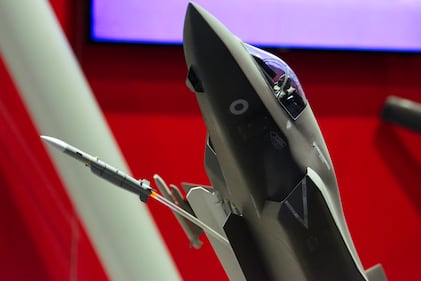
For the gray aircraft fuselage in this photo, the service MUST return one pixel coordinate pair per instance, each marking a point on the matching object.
(265, 154)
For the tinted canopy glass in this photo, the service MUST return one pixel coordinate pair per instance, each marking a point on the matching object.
(285, 85)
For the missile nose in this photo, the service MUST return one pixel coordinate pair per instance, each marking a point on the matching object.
(56, 143)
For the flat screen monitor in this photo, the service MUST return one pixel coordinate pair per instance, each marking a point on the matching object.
(380, 25)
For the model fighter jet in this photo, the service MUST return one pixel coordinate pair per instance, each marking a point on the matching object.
(274, 206)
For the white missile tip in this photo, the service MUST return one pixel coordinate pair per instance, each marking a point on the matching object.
(59, 144)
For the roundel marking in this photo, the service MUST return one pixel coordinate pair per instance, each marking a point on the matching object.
(239, 107)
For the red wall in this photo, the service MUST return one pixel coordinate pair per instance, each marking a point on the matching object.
(157, 124)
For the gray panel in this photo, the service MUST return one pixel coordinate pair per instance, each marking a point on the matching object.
(208, 209)
(376, 273)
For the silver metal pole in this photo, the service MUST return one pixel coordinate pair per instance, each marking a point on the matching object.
(61, 104)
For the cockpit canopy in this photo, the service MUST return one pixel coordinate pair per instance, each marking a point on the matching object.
(285, 85)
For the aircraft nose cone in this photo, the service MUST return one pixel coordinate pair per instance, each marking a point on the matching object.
(195, 30)
(192, 9)
(194, 19)
(203, 33)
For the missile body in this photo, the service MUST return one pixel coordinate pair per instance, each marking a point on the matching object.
(102, 169)
(139, 187)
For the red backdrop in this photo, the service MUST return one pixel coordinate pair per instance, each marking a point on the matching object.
(157, 124)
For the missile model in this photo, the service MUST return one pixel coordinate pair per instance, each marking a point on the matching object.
(141, 188)
(102, 169)
(273, 211)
